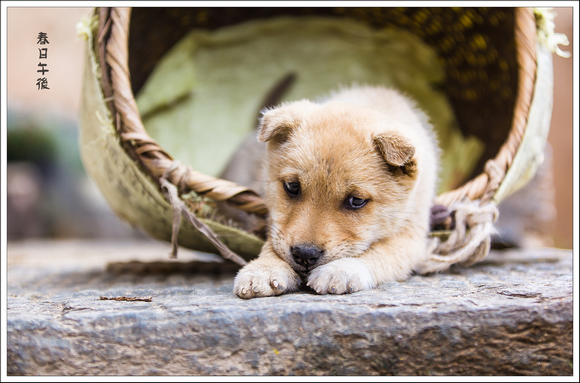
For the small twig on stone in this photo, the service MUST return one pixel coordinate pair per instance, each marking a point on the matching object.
(130, 299)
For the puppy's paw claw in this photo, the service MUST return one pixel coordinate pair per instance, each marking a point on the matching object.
(254, 281)
(345, 275)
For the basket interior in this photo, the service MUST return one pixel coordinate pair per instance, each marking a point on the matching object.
(476, 47)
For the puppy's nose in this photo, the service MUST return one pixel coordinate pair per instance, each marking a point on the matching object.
(306, 255)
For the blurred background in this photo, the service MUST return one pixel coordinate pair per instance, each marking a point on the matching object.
(48, 192)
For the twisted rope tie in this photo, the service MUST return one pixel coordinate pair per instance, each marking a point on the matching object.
(496, 176)
(468, 243)
(179, 210)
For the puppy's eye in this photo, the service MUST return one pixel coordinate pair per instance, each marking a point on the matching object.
(355, 202)
(292, 188)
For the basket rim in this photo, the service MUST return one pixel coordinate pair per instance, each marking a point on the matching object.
(113, 33)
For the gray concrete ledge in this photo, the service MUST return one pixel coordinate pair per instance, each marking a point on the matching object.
(509, 315)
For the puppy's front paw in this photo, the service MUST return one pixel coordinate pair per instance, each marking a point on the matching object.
(258, 280)
(345, 275)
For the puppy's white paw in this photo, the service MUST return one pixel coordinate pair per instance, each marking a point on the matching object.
(258, 280)
(345, 275)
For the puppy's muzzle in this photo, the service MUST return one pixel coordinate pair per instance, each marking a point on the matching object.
(306, 255)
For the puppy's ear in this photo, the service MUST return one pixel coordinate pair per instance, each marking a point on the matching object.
(396, 150)
(275, 122)
(280, 121)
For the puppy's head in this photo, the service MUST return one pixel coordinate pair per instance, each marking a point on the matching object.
(338, 180)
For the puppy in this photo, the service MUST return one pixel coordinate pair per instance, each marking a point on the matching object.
(349, 185)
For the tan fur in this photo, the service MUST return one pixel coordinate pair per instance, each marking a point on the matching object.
(364, 142)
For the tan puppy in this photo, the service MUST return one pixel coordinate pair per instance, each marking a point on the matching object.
(349, 184)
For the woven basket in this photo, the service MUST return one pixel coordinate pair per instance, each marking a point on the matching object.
(500, 91)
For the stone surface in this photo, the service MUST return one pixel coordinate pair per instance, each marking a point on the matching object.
(509, 315)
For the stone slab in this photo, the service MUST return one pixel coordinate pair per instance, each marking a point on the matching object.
(508, 315)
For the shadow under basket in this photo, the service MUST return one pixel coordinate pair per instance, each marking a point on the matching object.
(498, 80)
